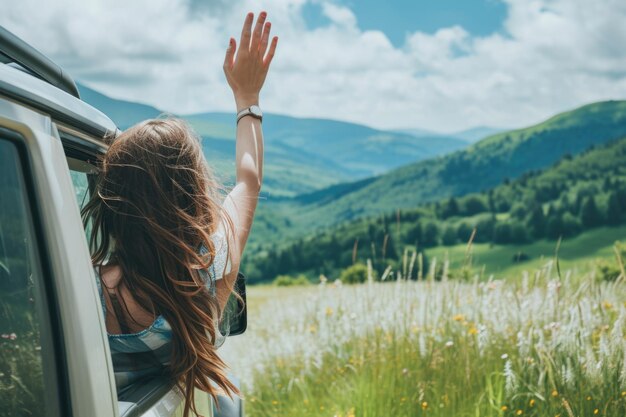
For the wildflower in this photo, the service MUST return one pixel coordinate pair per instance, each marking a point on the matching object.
(312, 329)
(504, 408)
(329, 311)
(504, 356)
(519, 412)
(274, 403)
(424, 405)
(405, 371)
(350, 412)
(589, 398)
(473, 330)
(607, 305)
(458, 317)
(596, 411)
(555, 393)
(623, 393)
(323, 279)
(531, 402)
(449, 343)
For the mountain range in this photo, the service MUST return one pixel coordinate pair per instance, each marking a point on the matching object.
(481, 166)
(302, 154)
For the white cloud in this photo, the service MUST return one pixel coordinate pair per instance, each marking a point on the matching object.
(551, 55)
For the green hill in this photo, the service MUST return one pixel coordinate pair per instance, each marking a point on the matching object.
(516, 223)
(481, 166)
(302, 155)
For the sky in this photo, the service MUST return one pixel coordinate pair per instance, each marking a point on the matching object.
(442, 65)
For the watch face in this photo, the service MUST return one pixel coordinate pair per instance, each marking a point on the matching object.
(256, 110)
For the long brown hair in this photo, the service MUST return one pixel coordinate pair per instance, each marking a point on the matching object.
(155, 202)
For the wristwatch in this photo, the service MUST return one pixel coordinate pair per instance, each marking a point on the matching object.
(254, 111)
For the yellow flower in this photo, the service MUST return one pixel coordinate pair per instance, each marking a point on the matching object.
(519, 412)
(350, 412)
(274, 403)
(472, 330)
(555, 393)
(504, 408)
(623, 393)
(596, 411)
(531, 403)
(458, 317)
(424, 405)
(607, 305)
(329, 311)
(312, 328)
(589, 398)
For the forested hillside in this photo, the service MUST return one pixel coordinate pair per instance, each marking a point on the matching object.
(483, 165)
(576, 194)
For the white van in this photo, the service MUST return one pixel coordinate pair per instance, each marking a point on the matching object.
(54, 353)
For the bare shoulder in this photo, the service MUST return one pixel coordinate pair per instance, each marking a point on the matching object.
(111, 275)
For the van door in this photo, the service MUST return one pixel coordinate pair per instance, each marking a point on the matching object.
(55, 362)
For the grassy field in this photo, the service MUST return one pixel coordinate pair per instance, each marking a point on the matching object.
(539, 345)
(578, 254)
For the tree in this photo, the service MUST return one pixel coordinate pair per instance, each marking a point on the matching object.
(464, 232)
(589, 213)
(449, 236)
(570, 225)
(502, 233)
(431, 234)
(519, 233)
(354, 274)
(614, 210)
(450, 208)
(536, 221)
(474, 205)
(484, 229)
(554, 226)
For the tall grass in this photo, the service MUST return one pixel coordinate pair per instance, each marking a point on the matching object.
(543, 345)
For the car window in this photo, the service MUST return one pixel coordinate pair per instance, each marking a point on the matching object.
(28, 382)
(81, 171)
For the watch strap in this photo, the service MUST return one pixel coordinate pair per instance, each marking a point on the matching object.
(248, 112)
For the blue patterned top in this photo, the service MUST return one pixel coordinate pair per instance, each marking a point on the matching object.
(146, 354)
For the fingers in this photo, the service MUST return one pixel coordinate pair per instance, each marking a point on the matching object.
(230, 54)
(246, 32)
(271, 52)
(258, 28)
(264, 39)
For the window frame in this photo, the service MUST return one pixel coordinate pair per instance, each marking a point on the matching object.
(52, 320)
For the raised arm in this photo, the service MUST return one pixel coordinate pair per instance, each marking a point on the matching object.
(246, 70)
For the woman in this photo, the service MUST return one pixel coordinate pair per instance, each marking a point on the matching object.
(166, 249)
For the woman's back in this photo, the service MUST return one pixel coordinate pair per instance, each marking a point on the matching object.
(140, 340)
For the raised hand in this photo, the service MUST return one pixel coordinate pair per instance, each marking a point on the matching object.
(246, 68)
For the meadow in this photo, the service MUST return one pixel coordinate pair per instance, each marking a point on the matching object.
(543, 344)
